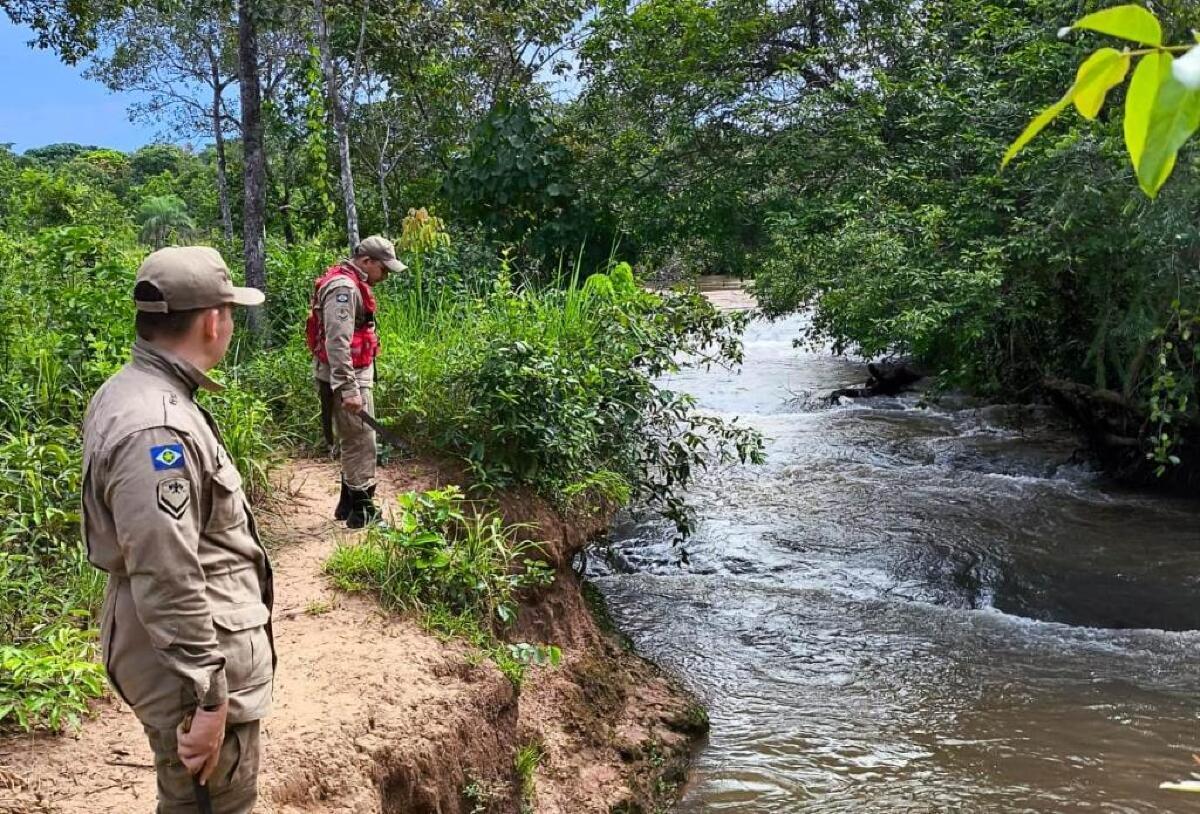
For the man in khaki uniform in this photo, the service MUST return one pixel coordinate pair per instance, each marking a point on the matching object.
(186, 624)
(341, 335)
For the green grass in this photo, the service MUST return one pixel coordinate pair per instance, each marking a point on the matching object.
(456, 566)
(525, 764)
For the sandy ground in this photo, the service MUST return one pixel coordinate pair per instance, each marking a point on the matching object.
(373, 714)
(727, 293)
(732, 299)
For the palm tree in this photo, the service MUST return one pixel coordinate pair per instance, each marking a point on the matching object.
(161, 216)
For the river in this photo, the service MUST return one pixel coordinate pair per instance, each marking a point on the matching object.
(912, 609)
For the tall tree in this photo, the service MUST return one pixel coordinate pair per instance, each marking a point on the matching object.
(254, 174)
(183, 57)
(67, 27)
(341, 102)
(383, 140)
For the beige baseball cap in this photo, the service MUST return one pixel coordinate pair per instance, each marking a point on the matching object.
(189, 277)
(380, 248)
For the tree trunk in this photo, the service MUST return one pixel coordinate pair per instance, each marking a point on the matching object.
(254, 171)
(338, 115)
(383, 198)
(222, 165)
(382, 171)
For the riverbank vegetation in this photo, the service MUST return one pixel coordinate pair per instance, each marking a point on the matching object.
(455, 565)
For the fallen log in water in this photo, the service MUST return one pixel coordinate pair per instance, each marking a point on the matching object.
(1118, 431)
(884, 379)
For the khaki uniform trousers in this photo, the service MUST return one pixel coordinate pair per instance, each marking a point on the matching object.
(233, 787)
(357, 441)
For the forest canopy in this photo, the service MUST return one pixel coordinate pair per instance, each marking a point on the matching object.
(843, 155)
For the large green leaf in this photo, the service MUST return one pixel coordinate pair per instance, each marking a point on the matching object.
(1129, 22)
(1091, 75)
(1034, 127)
(1173, 119)
(1099, 73)
(1139, 101)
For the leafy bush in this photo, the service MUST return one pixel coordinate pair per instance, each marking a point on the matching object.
(456, 565)
(438, 553)
(44, 577)
(47, 684)
(556, 388)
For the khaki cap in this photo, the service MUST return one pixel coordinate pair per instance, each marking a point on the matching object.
(380, 248)
(191, 277)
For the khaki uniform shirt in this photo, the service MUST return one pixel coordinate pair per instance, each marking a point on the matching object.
(341, 310)
(187, 613)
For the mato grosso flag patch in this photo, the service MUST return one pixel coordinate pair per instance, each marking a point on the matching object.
(168, 456)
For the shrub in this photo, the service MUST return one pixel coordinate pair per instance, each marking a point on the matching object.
(47, 684)
(557, 388)
(439, 553)
(457, 566)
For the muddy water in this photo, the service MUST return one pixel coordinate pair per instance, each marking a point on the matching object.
(918, 610)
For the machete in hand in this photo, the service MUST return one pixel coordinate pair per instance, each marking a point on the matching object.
(203, 799)
(387, 434)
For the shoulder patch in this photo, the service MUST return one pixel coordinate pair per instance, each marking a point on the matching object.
(167, 456)
(174, 495)
(343, 296)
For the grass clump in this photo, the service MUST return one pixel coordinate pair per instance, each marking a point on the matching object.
(438, 554)
(460, 570)
(525, 764)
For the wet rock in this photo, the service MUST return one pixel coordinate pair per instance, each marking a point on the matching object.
(883, 379)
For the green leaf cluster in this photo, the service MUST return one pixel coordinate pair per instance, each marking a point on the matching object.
(47, 684)
(1161, 113)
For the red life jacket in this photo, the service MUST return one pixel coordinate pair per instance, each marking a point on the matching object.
(364, 344)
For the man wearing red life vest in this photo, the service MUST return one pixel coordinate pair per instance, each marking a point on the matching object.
(342, 338)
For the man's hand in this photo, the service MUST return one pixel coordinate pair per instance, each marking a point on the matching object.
(352, 404)
(200, 743)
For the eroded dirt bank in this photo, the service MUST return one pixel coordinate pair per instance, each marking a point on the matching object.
(373, 714)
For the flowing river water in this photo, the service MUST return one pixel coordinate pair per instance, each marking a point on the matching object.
(912, 609)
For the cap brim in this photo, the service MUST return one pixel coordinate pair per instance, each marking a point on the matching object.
(395, 266)
(248, 296)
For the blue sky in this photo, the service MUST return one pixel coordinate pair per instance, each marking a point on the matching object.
(43, 101)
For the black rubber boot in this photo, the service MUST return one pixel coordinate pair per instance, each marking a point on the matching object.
(343, 508)
(362, 508)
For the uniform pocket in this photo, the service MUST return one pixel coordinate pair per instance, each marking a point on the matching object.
(228, 502)
(245, 770)
(242, 636)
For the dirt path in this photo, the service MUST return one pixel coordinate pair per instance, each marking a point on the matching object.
(373, 714)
